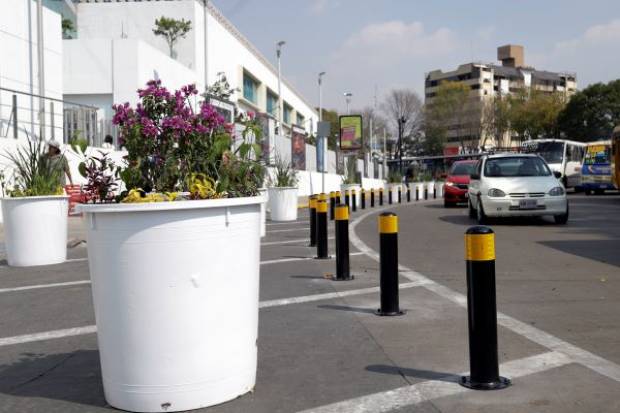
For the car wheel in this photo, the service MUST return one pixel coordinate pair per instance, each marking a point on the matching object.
(561, 219)
(480, 215)
(588, 192)
(598, 192)
(472, 211)
(447, 204)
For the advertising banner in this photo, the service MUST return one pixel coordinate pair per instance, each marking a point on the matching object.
(268, 139)
(320, 154)
(298, 148)
(350, 132)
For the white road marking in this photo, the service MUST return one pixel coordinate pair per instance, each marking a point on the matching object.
(298, 259)
(36, 287)
(287, 230)
(78, 331)
(578, 355)
(433, 389)
(287, 223)
(65, 261)
(290, 241)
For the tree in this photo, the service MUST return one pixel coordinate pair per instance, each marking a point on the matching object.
(404, 103)
(534, 114)
(67, 28)
(172, 30)
(495, 120)
(591, 113)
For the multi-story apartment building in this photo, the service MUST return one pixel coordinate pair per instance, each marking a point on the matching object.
(488, 81)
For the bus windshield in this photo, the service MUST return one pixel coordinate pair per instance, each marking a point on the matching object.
(552, 152)
(597, 155)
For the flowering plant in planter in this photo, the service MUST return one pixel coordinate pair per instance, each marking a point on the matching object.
(173, 145)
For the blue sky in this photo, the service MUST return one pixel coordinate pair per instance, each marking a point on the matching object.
(363, 44)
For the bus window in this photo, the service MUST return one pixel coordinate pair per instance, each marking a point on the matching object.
(552, 152)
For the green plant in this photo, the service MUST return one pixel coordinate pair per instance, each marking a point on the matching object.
(350, 172)
(171, 30)
(35, 174)
(100, 173)
(395, 177)
(285, 176)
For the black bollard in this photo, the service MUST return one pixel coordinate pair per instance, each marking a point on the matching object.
(321, 230)
(388, 253)
(338, 198)
(425, 192)
(417, 193)
(342, 244)
(380, 196)
(482, 311)
(390, 195)
(435, 191)
(353, 200)
(400, 195)
(363, 198)
(312, 209)
(347, 197)
(332, 205)
(408, 193)
(372, 198)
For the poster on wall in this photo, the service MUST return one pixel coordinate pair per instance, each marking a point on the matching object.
(298, 148)
(268, 139)
(350, 132)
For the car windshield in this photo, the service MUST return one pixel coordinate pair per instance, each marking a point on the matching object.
(463, 169)
(515, 166)
(552, 152)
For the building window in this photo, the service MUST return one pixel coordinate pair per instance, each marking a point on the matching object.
(272, 104)
(300, 121)
(286, 115)
(250, 87)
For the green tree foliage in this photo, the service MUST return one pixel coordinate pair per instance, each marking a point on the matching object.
(331, 116)
(534, 114)
(446, 111)
(592, 113)
(67, 28)
(172, 30)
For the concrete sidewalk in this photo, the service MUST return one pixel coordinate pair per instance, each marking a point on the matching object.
(321, 348)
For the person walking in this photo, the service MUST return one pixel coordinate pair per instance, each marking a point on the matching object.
(58, 160)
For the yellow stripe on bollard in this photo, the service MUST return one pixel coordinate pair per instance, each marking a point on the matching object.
(480, 247)
(321, 206)
(388, 224)
(342, 213)
(312, 202)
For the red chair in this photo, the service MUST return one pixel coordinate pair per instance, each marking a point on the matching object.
(76, 196)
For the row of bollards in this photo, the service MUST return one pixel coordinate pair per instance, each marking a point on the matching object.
(480, 269)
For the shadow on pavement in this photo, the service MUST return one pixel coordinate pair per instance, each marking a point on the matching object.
(308, 277)
(73, 377)
(417, 373)
(605, 251)
(509, 221)
(346, 308)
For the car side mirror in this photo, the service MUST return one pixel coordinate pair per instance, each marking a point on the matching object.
(557, 174)
(475, 176)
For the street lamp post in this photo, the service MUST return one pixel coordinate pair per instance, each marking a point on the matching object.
(278, 54)
(401, 131)
(347, 98)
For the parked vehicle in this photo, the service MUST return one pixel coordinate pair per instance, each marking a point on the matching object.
(563, 156)
(615, 158)
(596, 172)
(516, 185)
(457, 182)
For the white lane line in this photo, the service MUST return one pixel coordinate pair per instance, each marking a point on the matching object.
(290, 241)
(78, 331)
(578, 355)
(287, 223)
(47, 335)
(65, 261)
(36, 287)
(70, 283)
(287, 230)
(433, 389)
(298, 259)
(329, 296)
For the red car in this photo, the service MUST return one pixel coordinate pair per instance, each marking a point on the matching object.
(457, 183)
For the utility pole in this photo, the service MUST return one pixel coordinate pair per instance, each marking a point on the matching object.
(278, 54)
(322, 138)
(41, 69)
(347, 98)
(384, 153)
(401, 127)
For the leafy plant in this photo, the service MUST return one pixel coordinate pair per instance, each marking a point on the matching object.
(285, 176)
(100, 173)
(395, 177)
(172, 30)
(350, 172)
(168, 143)
(35, 174)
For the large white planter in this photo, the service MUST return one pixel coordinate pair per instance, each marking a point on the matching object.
(350, 188)
(439, 187)
(283, 203)
(431, 187)
(263, 213)
(420, 186)
(393, 188)
(35, 229)
(175, 290)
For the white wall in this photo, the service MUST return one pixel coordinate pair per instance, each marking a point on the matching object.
(19, 63)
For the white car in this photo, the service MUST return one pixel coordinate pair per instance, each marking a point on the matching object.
(508, 185)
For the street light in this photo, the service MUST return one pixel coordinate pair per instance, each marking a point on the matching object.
(347, 98)
(320, 96)
(322, 138)
(278, 54)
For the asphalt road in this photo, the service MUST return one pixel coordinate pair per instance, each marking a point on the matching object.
(321, 348)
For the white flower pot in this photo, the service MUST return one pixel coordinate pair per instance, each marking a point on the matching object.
(431, 187)
(439, 186)
(35, 229)
(283, 203)
(358, 194)
(420, 186)
(175, 291)
(263, 213)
